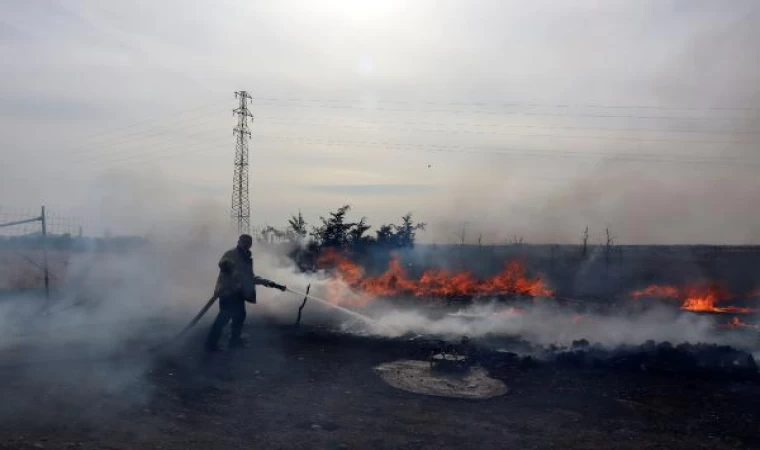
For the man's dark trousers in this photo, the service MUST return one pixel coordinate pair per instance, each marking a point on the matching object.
(230, 308)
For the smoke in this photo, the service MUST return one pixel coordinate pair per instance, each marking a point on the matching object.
(110, 308)
(663, 204)
(546, 325)
(90, 348)
(91, 343)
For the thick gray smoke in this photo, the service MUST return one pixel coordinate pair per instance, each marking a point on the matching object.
(111, 308)
(546, 324)
(543, 322)
(89, 349)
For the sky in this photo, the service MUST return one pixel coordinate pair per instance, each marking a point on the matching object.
(505, 118)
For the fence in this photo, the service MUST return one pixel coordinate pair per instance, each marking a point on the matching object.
(42, 220)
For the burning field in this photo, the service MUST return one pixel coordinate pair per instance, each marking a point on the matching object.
(511, 300)
(431, 284)
(533, 364)
(711, 298)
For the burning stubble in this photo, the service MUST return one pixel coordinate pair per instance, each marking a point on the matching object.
(111, 307)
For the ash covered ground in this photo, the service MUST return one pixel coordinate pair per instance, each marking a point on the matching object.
(96, 372)
(315, 387)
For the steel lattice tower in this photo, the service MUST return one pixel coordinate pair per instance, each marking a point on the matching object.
(241, 206)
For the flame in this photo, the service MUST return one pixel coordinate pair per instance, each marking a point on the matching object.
(656, 291)
(348, 271)
(433, 283)
(737, 323)
(702, 298)
(511, 311)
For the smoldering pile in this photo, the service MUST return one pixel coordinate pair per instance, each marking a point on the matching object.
(687, 359)
(657, 340)
(499, 353)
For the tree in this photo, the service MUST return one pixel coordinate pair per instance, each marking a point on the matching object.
(356, 233)
(296, 230)
(269, 234)
(337, 232)
(357, 239)
(399, 236)
(584, 240)
(334, 231)
(386, 237)
(608, 245)
(407, 231)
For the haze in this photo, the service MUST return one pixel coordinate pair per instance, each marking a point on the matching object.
(518, 118)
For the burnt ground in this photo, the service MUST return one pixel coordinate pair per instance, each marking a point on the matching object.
(314, 389)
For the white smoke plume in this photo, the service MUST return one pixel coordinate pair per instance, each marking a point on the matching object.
(545, 325)
(110, 309)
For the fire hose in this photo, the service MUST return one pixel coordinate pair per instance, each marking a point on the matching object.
(322, 301)
(198, 316)
(209, 303)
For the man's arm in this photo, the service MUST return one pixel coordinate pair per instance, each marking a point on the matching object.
(267, 283)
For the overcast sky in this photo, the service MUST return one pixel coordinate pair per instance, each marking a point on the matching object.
(529, 118)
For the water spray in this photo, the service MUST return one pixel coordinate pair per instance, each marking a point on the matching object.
(352, 313)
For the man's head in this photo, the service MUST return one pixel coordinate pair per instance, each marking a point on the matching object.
(245, 241)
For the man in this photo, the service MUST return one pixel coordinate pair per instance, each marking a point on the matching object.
(235, 286)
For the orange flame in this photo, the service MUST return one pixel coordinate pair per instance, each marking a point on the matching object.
(433, 283)
(657, 291)
(511, 311)
(348, 271)
(738, 324)
(694, 298)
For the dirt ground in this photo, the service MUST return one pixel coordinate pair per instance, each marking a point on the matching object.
(309, 389)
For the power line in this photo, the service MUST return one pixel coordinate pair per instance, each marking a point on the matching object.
(451, 128)
(170, 153)
(135, 141)
(153, 155)
(134, 124)
(477, 108)
(158, 152)
(517, 152)
(164, 151)
(136, 136)
(371, 123)
(129, 149)
(534, 135)
(515, 104)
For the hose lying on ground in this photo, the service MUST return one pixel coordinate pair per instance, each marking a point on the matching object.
(198, 316)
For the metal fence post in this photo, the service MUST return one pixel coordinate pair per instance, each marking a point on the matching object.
(45, 256)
